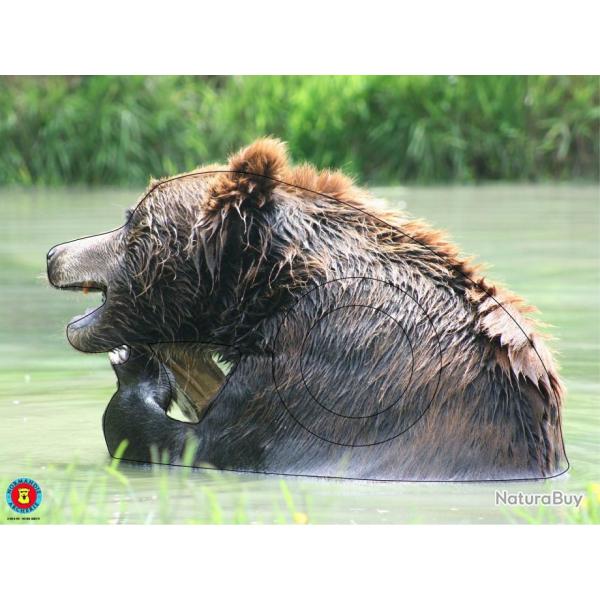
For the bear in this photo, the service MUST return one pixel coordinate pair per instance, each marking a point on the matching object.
(305, 330)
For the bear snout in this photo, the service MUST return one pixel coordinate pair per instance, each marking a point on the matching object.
(81, 263)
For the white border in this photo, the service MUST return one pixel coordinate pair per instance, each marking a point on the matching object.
(299, 37)
(171, 562)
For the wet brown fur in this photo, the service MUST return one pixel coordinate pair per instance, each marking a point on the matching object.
(246, 240)
(502, 314)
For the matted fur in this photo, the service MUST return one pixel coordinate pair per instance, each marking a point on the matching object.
(225, 254)
(253, 174)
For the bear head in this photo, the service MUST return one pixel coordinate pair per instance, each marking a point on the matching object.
(203, 254)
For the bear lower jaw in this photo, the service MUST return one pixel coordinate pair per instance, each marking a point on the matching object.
(86, 333)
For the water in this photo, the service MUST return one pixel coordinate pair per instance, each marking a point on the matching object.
(541, 241)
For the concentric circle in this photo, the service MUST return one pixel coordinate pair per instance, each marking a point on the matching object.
(344, 361)
(312, 339)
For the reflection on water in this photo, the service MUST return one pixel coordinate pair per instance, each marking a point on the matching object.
(541, 241)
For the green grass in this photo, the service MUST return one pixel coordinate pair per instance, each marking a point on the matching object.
(110, 496)
(587, 514)
(120, 130)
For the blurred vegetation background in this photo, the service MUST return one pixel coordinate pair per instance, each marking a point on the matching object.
(383, 129)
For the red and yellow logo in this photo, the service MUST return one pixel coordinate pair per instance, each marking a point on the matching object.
(24, 495)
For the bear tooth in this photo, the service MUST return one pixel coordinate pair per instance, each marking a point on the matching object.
(123, 353)
(114, 357)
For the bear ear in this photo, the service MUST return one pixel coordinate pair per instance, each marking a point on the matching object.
(253, 173)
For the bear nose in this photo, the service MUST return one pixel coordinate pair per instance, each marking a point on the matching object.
(55, 253)
(51, 261)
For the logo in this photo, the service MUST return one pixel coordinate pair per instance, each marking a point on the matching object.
(554, 498)
(24, 495)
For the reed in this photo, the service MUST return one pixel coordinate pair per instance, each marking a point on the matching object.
(121, 130)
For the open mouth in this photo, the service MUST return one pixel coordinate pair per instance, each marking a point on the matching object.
(81, 329)
(195, 376)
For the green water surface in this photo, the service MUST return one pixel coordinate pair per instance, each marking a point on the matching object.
(540, 241)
